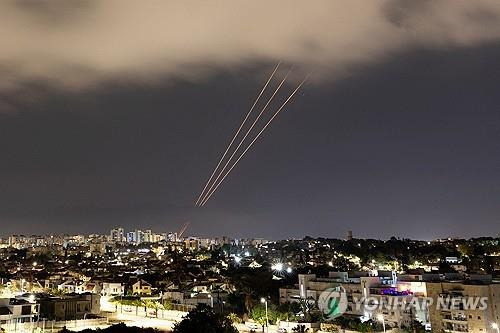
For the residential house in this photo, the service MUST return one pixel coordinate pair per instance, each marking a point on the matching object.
(141, 287)
(112, 289)
(69, 307)
(14, 311)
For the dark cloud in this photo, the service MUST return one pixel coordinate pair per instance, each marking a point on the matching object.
(79, 44)
(408, 147)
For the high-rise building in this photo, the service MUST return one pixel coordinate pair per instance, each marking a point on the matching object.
(158, 237)
(131, 237)
(147, 236)
(172, 237)
(117, 235)
(137, 236)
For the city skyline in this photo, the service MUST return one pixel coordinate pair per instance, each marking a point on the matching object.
(139, 235)
(395, 135)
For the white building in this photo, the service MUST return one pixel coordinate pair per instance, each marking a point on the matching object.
(15, 311)
(112, 289)
(365, 291)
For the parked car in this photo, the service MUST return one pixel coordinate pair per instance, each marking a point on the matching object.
(252, 326)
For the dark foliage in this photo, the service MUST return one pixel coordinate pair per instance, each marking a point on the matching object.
(118, 328)
(204, 320)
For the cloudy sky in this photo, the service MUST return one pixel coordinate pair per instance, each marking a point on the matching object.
(115, 113)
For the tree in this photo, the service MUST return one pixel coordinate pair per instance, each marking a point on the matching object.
(236, 302)
(56, 292)
(251, 282)
(234, 318)
(355, 324)
(248, 293)
(155, 305)
(466, 250)
(258, 314)
(204, 320)
(141, 303)
(288, 311)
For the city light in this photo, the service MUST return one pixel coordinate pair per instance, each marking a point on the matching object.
(281, 259)
(277, 267)
(264, 301)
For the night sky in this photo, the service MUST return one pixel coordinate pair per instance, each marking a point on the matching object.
(404, 144)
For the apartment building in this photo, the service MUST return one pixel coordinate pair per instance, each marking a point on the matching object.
(369, 295)
(15, 311)
(117, 235)
(451, 303)
(464, 306)
(310, 286)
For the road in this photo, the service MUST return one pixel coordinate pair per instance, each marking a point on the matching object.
(132, 316)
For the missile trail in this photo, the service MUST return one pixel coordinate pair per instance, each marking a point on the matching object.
(238, 132)
(253, 141)
(246, 135)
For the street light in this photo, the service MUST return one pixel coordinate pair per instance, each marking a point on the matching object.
(264, 301)
(495, 327)
(381, 318)
(278, 267)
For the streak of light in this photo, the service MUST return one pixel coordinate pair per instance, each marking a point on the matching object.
(238, 132)
(253, 141)
(221, 172)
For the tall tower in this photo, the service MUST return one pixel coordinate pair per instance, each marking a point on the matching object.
(117, 235)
